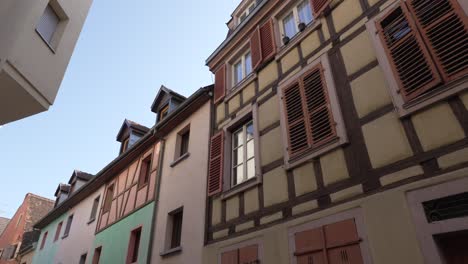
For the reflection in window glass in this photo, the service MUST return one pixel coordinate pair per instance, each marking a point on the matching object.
(243, 154)
(248, 64)
(305, 12)
(289, 26)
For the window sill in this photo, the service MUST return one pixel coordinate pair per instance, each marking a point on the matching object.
(65, 236)
(301, 35)
(180, 159)
(91, 221)
(240, 86)
(257, 180)
(45, 41)
(170, 252)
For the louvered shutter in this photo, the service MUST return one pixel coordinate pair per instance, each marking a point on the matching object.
(230, 257)
(215, 173)
(295, 119)
(267, 41)
(322, 127)
(220, 84)
(408, 56)
(255, 48)
(318, 6)
(248, 255)
(444, 26)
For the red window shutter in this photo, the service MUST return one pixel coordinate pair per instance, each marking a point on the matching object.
(321, 124)
(295, 119)
(318, 6)
(230, 257)
(349, 254)
(267, 40)
(248, 254)
(215, 173)
(341, 233)
(255, 48)
(220, 84)
(409, 58)
(309, 241)
(444, 26)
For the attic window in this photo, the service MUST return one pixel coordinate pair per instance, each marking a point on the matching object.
(246, 12)
(124, 145)
(164, 112)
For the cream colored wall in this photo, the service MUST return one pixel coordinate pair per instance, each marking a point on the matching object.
(184, 185)
(81, 237)
(389, 230)
(27, 58)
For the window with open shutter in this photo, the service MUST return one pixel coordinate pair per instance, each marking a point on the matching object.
(318, 6)
(255, 48)
(444, 26)
(220, 84)
(230, 257)
(267, 40)
(243, 255)
(336, 243)
(309, 117)
(215, 173)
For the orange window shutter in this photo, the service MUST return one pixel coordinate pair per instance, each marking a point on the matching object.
(248, 254)
(298, 139)
(215, 173)
(309, 241)
(408, 56)
(341, 233)
(320, 117)
(444, 27)
(267, 41)
(255, 48)
(220, 84)
(318, 6)
(230, 257)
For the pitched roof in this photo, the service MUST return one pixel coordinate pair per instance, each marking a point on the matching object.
(129, 124)
(63, 188)
(163, 91)
(80, 175)
(3, 223)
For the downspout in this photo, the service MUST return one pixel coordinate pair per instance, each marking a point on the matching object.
(156, 200)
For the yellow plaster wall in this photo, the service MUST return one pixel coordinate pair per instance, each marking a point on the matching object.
(310, 43)
(268, 112)
(290, 60)
(251, 200)
(220, 113)
(232, 208)
(305, 179)
(275, 187)
(270, 146)
(345, 13)
(358, 52)
(267, 75)
(234, 104)
(334, 168)
(386, 140)
(248, 92)
(437, 126)
(216, 214)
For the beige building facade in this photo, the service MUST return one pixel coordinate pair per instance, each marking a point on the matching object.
(340, 134)
(37, 42)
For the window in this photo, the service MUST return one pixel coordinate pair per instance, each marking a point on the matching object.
(68, 226)
(125, 145)
(291, 22)
(247, 12)
(246, 254)
(83, 258)
(108, 199)
(133, 246)
(94, 209)
(242, 68)
(44, 238)
(48, 24)
(163, 112)
(184, 143)
(176, 228)
(97, 255)
(57, 232)
(145, 171)
(424, 48)
(243, 154)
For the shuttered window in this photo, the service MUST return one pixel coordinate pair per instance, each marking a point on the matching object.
(318, 6)
(244, 255)
(220, 84)
(425, 42)
(330, 244)
(215, 173)
(308, 112)
(262, 44)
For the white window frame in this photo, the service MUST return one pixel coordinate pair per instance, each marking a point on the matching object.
(245, 159)
(246, 12)
(295, 11)
(242, 60)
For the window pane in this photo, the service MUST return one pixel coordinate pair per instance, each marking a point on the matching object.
(248, 64)
(237, 72)
(251, 168)
(289, 26)
(250, 149)
(251, 8)
(239, 158)
(250, 131)
(305, 12)
(239, 174)
(238, 138)
(48, 24)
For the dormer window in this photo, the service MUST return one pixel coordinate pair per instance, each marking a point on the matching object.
(241, 68)
(124, 146)
(164, 112)
(129, 134)
(166, 102)
(246, 12)
(292, 20)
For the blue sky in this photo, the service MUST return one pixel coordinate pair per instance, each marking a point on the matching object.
(126, 50)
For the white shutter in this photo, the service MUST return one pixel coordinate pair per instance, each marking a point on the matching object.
(48, 24)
